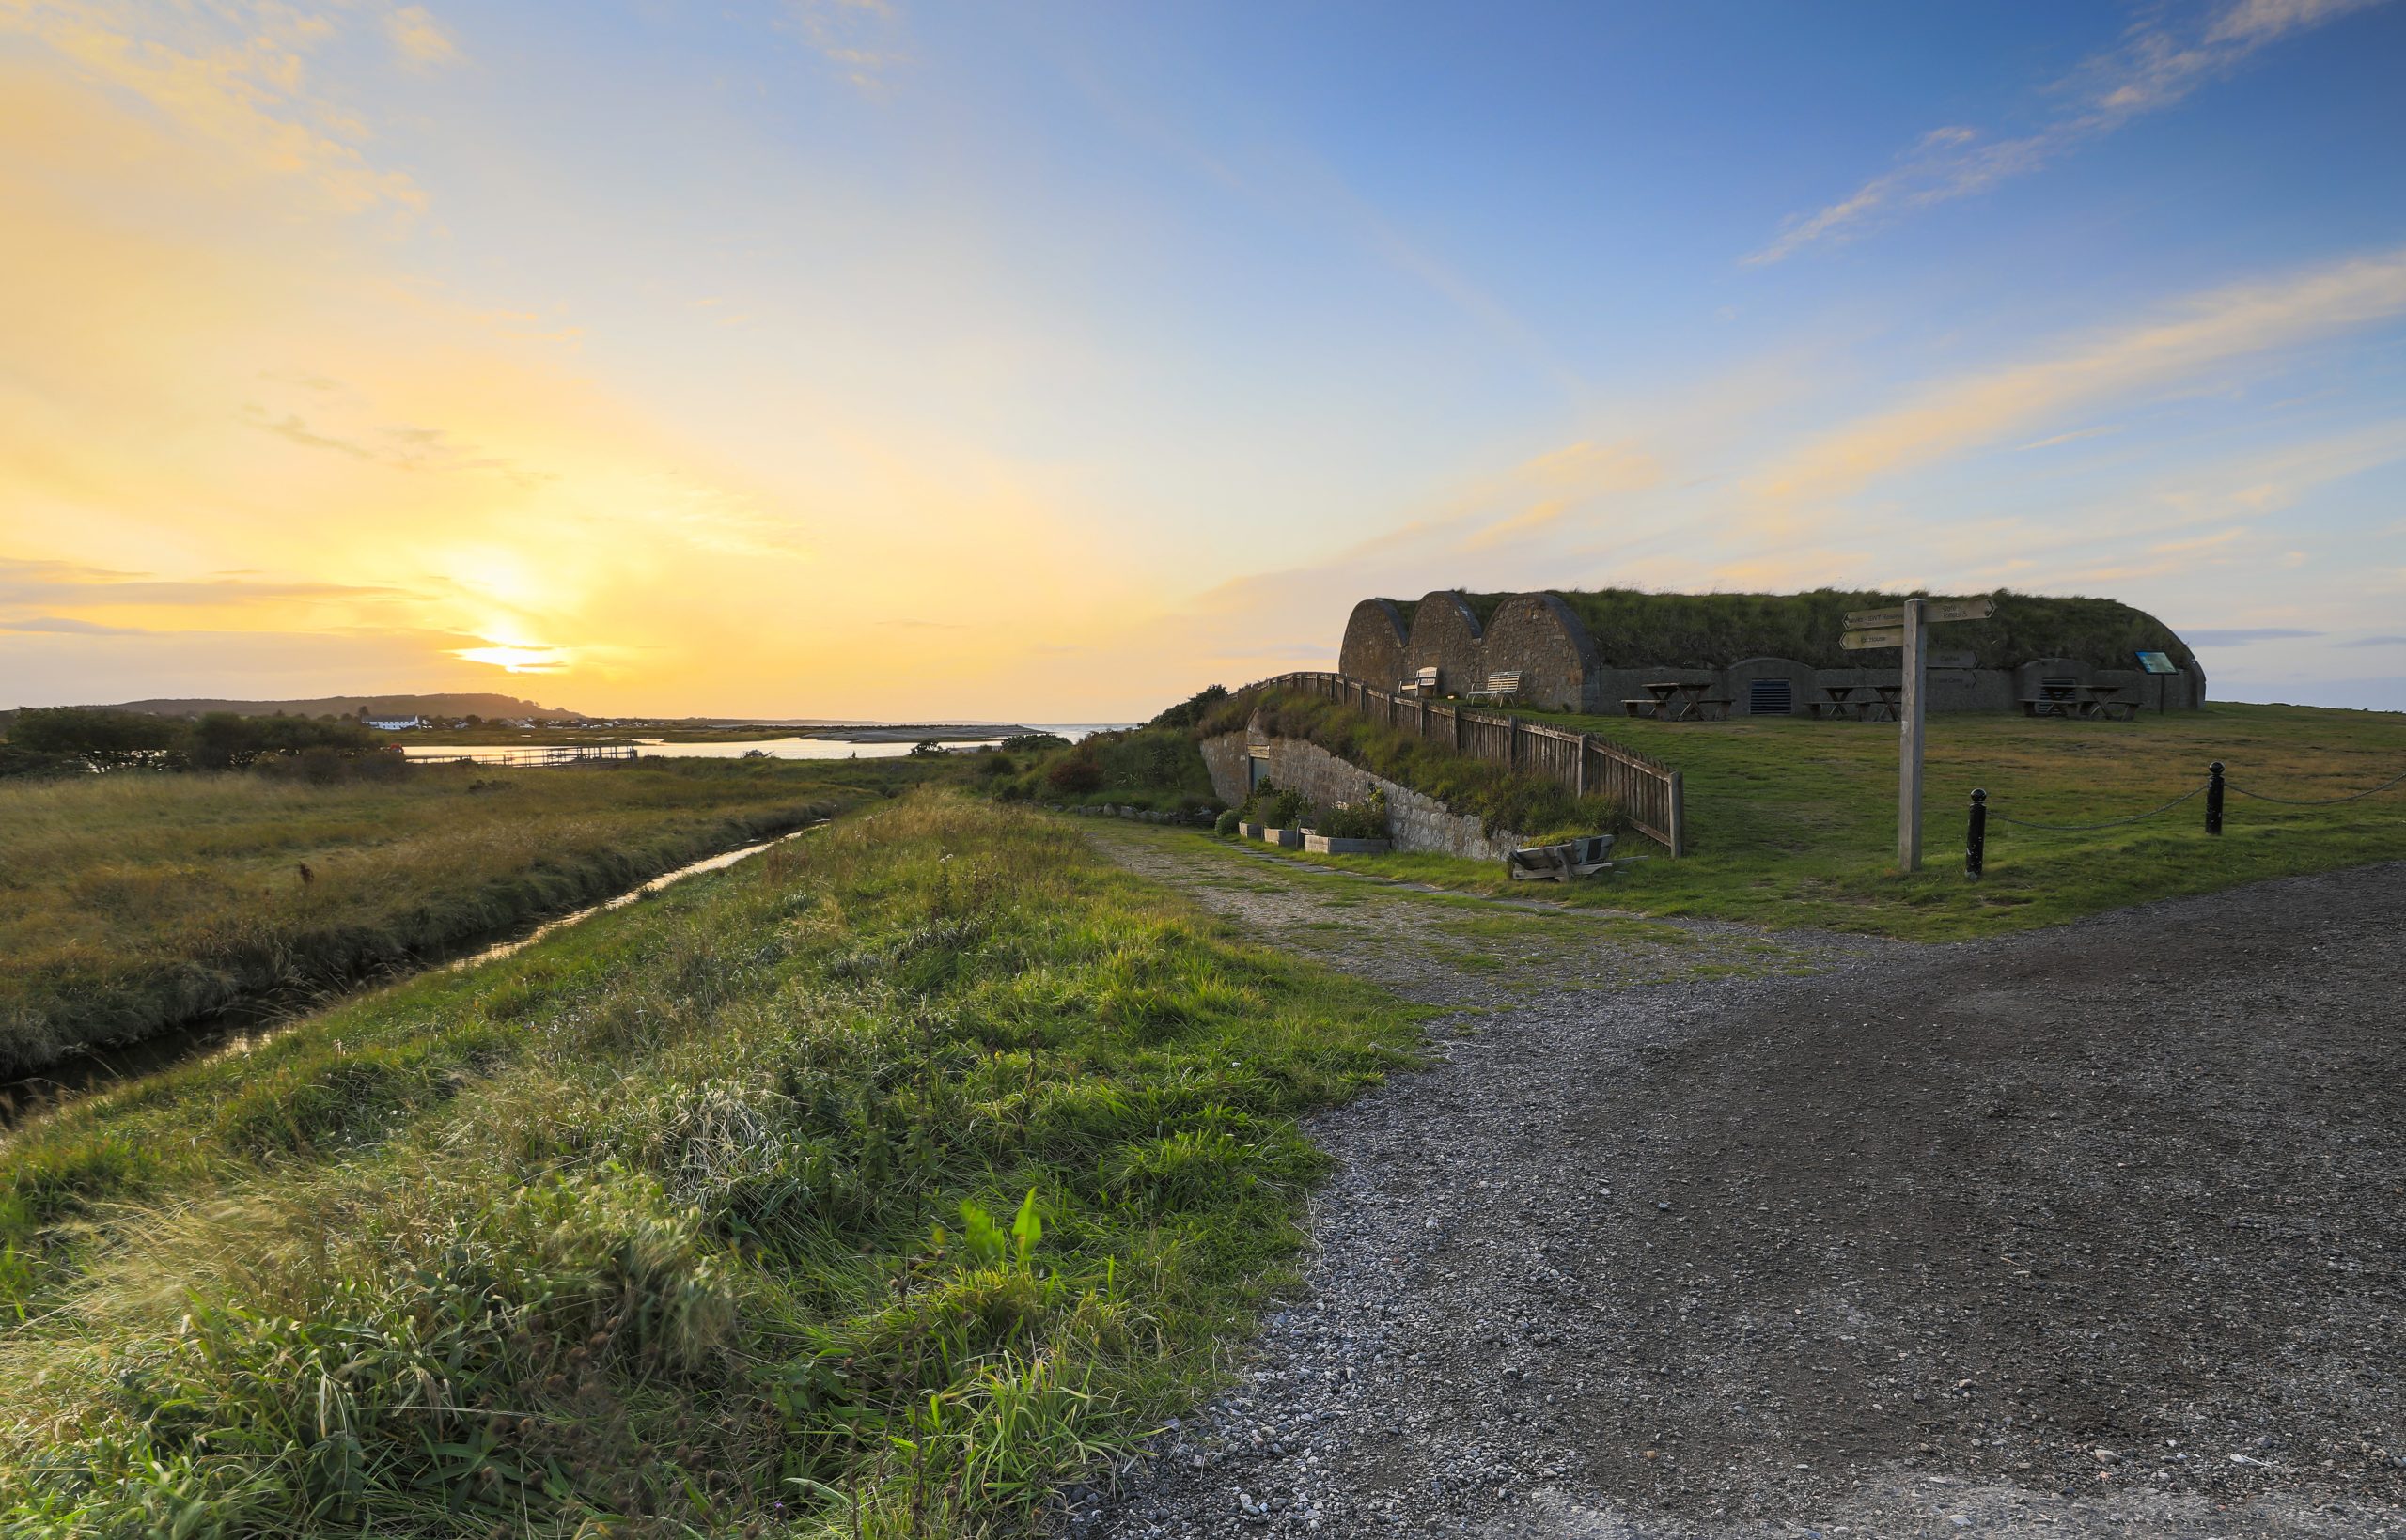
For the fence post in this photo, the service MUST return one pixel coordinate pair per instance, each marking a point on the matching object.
(1512, 742)
(1457, 729)
(1679, 820)
(1579, 775)
(1975, 843)
(2213, 798)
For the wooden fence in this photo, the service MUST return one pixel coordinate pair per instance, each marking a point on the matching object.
(1649, 793)
(550, 753)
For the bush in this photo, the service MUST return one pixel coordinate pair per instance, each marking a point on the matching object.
(1500, 799)
(1034, 742)
(325, 767)
(1226, 823)
(1286, 809)
(1189, 711)
(995, 764)
(1364, 820)
(1078, 774)
(102, 740)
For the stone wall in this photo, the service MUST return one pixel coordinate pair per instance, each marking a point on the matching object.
(1537, 634)
(1374, 644)
(1448, 637)
(1414, 821)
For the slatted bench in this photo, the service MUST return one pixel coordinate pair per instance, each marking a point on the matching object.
(1500, 687)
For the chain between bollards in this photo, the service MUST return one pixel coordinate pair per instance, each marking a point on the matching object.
(1976, 842)
(2213, 798)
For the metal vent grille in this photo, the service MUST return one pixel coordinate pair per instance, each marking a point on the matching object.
(1771, 697)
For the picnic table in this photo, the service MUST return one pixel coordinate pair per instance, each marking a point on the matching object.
(1677, 700)
(1861, 702)
(2088, 702)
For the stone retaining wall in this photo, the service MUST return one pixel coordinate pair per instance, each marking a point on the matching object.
(1414, 821)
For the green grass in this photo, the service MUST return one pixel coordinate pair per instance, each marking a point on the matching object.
(1793, 823)
(133, 901)
(1633, 628)
(695, 1219)
(1499, 797)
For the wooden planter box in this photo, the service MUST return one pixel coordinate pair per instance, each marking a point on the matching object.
(1334, 844)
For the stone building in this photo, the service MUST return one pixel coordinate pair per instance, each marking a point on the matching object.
(1765, 654)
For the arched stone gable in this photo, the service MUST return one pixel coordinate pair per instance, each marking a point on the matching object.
(1537, 634)
(1373, 650)
(1445, 635)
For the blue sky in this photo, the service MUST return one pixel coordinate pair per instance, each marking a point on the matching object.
(1060, 359)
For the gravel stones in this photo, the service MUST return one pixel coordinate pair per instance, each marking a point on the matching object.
(2090, 1232)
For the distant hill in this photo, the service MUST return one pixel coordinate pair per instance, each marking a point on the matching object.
(378, 705)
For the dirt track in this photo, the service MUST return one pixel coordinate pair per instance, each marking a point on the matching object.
(2091, 1232)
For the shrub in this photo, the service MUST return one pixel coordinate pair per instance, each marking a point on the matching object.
(1364, 820)
(1187, 712)
(1226, 823)
(1286, 809)
(1077, 773)
(995, 764)
(1500, 799)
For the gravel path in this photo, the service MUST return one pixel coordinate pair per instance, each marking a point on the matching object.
(2091, 1232)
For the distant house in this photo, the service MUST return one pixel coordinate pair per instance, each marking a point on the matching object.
(396, 724)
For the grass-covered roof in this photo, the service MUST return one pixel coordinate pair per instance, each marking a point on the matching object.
(1633, 628)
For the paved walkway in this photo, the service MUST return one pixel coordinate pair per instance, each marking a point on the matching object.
(1701, 1233)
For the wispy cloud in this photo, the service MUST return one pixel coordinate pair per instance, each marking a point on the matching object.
(2073, 437)
(2157, 66)
(2374, 642)
(419, 38)
(2185, 341)
(857, 36)
(72, 585)
(2244, 635)
(235, 77)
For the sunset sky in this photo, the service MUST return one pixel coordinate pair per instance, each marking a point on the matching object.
(1046, 361)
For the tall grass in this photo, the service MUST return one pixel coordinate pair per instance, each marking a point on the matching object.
(694, 1219)
(132, 901)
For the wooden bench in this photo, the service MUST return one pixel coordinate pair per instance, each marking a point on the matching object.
(1581, 857)
(1421, 686)
(1500, 687)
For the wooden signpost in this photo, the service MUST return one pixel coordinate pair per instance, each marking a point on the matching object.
(1907, 626)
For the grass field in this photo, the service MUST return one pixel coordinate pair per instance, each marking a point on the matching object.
(132, 901)
(1793, 823)
(871, 1187)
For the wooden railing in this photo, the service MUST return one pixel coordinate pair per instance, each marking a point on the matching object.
(550, 753)
(1650, 793)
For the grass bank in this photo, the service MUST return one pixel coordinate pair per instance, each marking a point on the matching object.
(873, 1188)
(133, 901)
(1793, 823)
(1499, 797)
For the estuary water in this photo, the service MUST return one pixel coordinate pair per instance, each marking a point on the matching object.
(244, 1026)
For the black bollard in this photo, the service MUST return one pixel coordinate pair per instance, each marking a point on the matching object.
(1976, 842)
(2213, 798)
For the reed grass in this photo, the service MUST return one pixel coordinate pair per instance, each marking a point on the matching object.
(133, 901)
(695, 1219)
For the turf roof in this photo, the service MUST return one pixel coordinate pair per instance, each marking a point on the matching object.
(1633, 628)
